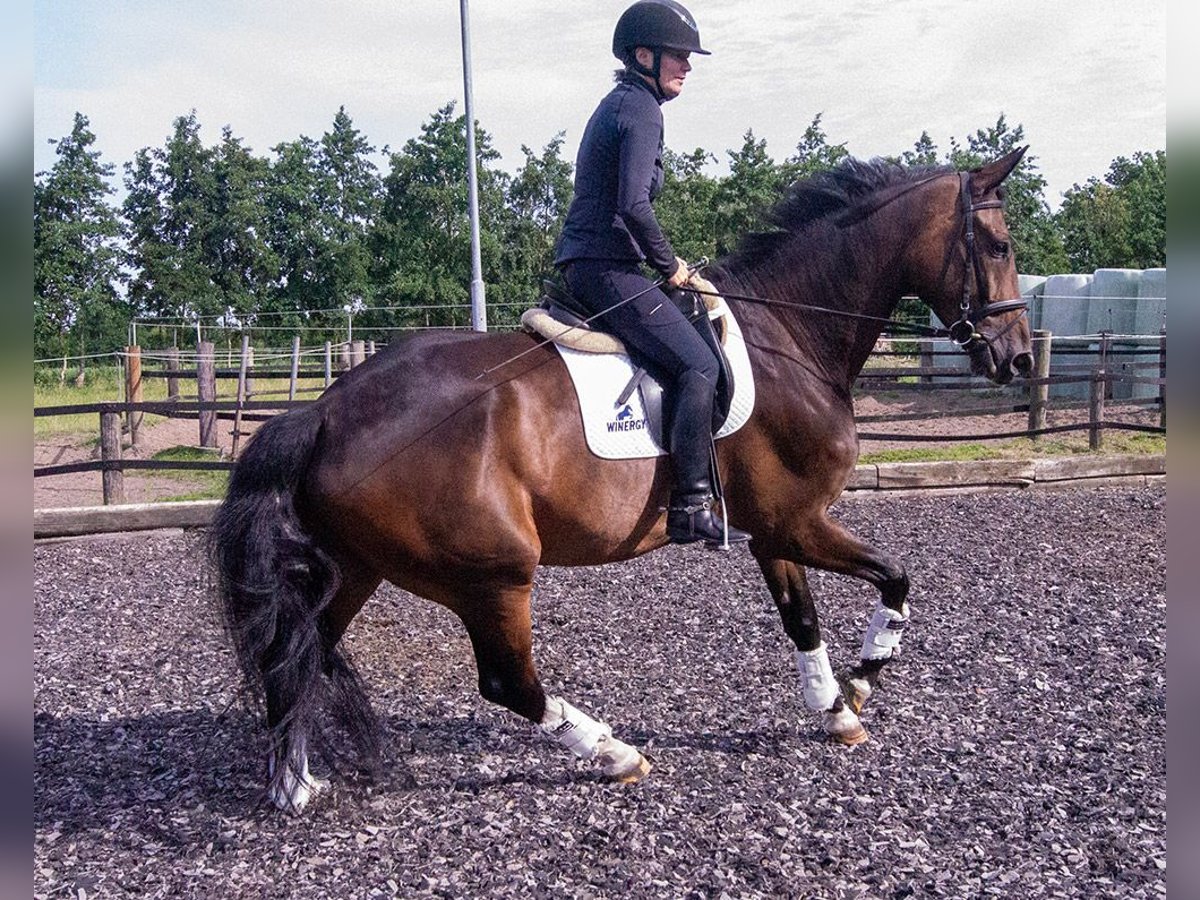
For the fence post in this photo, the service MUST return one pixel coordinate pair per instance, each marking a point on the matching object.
(1099, 384)
(1105, 347)
(295, 367)
(173, 380)
(370, 348)
(1039, 394)
(1162, 374)
(926, 362)
(249, 370)
(112, 480)
(241, 394)
(206, 391)
(133, 389)
(328, 363)
(358, 353)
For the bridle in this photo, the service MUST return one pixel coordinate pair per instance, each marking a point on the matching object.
(966, 330)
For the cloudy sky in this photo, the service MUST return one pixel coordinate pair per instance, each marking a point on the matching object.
(1085, 78)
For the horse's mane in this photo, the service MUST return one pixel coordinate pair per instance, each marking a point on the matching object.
(839, 193)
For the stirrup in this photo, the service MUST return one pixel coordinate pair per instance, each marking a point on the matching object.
(691, 518)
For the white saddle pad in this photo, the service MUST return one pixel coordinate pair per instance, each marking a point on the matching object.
(622, 431)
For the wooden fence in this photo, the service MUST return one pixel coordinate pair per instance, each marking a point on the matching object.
(1033, 396)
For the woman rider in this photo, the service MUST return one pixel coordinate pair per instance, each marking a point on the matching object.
(611, 228)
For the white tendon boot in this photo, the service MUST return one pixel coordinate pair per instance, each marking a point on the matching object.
(298, 785)
(822, 694)
(880, 643)
(589, 739)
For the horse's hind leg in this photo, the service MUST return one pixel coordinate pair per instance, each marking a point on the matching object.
(797, 608)
(291, 785)
(502, 638)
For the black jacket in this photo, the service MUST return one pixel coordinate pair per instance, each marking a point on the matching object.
(618, 173)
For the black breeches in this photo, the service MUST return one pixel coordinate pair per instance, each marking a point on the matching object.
(661, 339)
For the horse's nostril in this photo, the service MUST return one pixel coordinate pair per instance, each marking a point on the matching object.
(1023, 363)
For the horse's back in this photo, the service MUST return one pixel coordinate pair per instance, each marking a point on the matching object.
(464, 450)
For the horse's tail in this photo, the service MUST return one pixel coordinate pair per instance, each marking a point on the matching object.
(275, 583)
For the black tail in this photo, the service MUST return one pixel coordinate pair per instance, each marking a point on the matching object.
(275, 583)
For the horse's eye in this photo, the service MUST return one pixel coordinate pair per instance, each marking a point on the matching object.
(1000, 249)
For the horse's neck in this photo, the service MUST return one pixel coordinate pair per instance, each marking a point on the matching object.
(838, 344)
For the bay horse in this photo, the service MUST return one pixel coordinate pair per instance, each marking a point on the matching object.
(452, 464)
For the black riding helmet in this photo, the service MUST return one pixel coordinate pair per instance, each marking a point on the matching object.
(658, 25)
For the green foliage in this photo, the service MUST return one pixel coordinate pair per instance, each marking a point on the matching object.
(76, 253)
(535, 207)
(290, 241)
(687, 207)
(1120, 222)
(1036, 242)
(421, 241)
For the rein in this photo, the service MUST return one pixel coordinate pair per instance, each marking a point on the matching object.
(907, 327)
(963, 332)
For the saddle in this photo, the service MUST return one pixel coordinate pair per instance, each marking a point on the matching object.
(567, 326)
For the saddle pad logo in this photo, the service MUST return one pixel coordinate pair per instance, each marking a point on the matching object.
(622, 430)
(625, 420)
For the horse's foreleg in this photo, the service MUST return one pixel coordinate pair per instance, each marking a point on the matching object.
(826, 545)
(797, 608)
(502, 638)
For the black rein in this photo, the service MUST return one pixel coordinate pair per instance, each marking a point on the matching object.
(965, 331)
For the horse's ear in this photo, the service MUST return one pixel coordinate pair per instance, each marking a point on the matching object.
(989, 177)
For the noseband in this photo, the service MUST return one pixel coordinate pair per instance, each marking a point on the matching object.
(965, 331)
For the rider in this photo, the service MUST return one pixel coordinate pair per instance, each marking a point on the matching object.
(611, 228)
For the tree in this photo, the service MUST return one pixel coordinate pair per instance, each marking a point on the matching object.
(813, 154)
(242, 265)
(169, 212)
(350, 190)
(687, 207)
(1120, 221)
(296, 232)
(421, 242)
(744, 197)
(76, 251)
(536, 206)
(1037, 244)
(923, 153)
(1142, 184)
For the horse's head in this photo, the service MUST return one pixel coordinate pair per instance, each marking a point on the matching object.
(963, 266)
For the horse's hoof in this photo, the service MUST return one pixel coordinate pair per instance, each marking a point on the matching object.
(844, 727)
(621, 762)
(634, 773)
(293, 796)
(850, 738)
(856, 691)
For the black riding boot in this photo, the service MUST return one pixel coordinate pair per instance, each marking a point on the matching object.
(690, 515)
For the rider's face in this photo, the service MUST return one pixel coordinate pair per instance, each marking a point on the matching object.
(673, 69)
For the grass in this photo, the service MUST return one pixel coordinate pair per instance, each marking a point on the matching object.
(102, 384)
(208, 485)
(106, 384)
(1071, 444)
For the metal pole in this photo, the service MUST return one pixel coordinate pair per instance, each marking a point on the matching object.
(478, 306)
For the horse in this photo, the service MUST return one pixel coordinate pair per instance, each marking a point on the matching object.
(452, 464)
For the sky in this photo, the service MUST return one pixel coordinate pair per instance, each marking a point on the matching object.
(1086, 79)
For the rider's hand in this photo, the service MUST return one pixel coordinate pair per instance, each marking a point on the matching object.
(681, 276)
